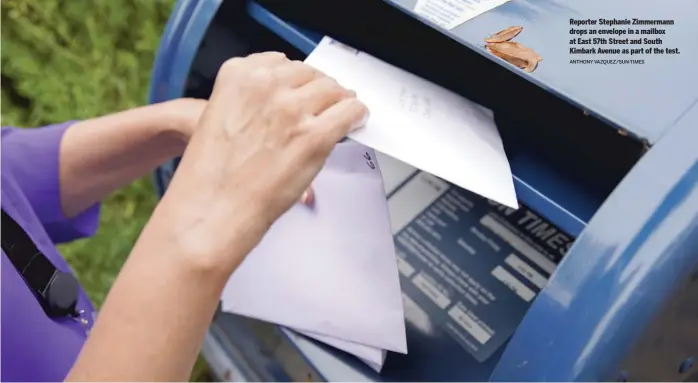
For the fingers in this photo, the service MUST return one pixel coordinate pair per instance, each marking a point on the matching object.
(291, 73)
(266, 59)
(318, 95)
(295, 74)
(333, 124)
(232, 70)
(308, 197)
(341, 118)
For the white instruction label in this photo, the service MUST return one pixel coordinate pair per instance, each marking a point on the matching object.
(431, 291)
(469, 324)
(513, 283)
(405, 268)
(449, 14)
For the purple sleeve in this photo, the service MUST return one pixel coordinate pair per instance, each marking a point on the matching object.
(31, 158)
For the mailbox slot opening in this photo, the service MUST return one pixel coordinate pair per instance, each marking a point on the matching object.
(565, 161)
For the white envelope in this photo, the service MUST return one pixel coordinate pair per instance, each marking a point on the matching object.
(372, 356)
(421, 123)
(330, 271)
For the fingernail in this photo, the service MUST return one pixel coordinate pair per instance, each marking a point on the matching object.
(307, 197)
(362, 122)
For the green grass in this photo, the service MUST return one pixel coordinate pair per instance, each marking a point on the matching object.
(77, 59)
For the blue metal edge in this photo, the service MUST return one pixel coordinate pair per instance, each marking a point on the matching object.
(568, 221)
(180, 41)
(178, 46)
(642, 242)
(302, 39)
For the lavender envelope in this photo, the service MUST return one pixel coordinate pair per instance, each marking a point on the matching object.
(330, 271)
(372, 356)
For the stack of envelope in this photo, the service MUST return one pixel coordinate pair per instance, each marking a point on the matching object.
(330, 271)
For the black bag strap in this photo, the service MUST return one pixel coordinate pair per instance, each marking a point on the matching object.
(57, 291)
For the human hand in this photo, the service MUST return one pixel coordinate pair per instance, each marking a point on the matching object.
(269, 125)
(186, 113)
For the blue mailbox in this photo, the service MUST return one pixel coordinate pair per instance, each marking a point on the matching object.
(605, 160)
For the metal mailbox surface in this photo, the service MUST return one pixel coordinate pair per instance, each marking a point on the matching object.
(646, 99)
(639, 244)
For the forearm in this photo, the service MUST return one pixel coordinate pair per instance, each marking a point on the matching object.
(154, 319)
(99, 155)
(153, 322)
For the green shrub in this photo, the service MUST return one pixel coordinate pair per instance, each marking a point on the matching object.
(80, 58)
(76, 59)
